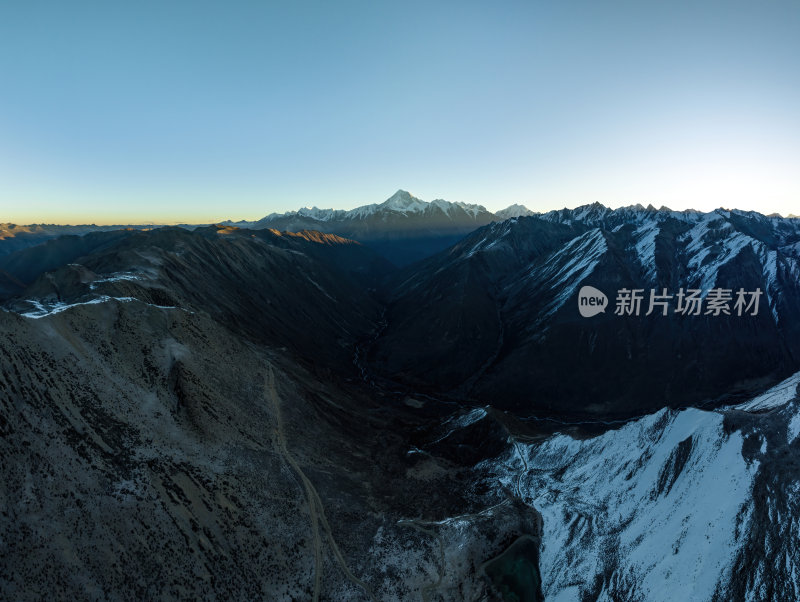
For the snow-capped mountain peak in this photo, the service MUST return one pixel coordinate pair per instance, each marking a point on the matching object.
(514, 210)
(315, 212)
(403, 201)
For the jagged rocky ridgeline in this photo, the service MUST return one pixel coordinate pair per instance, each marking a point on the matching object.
(495, 318)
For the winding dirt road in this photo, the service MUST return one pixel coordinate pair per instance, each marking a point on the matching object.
(315, 508)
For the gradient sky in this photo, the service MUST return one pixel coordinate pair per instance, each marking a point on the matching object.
(198, 111)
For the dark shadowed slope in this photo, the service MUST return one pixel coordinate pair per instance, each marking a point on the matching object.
(495, 318)
(15, 237)
(307, 292)
(174, 425)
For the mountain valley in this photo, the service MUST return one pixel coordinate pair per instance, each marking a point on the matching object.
(232, 412)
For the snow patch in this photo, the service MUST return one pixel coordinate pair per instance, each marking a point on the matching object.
(779, 395)
(462, 421)
(562, 277)
(118, 277)
(42, 310)
(646, 247)
(793, 428)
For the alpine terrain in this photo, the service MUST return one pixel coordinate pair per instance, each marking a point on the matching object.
(405, 401)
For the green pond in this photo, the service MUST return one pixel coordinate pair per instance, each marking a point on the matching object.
(515, 572)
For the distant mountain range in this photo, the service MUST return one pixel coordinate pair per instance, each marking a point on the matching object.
(403, 228)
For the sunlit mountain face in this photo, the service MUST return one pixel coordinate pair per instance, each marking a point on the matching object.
(408, 400)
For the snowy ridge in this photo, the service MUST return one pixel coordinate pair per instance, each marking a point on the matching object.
(645, 248)
(667, 506)
(514, 211)
(779, 395)
(495, 233)
(657, 510)
(465, 420)
(793, 250)
(42, 310)
(792, 431)
(119, 277)
(565, 269)
(404, 202)
(598, 215)
(769, 262)
(322, 215)
(401, 202)
(656, 502)
(714, 241)
(457, 422)
(712, 234)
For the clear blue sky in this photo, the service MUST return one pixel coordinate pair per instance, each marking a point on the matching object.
(165, 111)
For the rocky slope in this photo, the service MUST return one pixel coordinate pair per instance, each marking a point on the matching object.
(174, 424)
